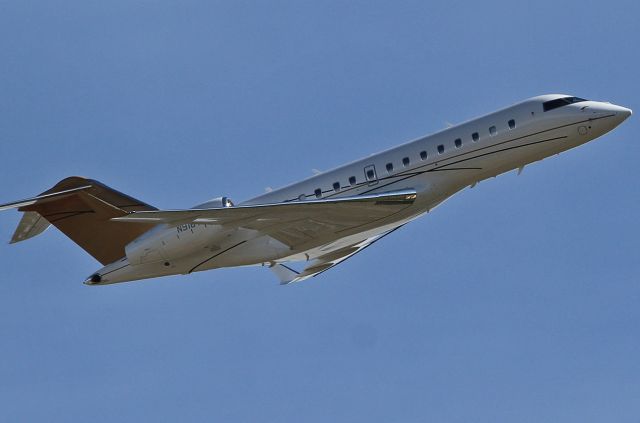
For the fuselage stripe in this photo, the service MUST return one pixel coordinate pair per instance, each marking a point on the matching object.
(216, 255)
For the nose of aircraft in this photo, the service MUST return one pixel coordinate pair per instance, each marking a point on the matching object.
(627, 112)
(621, 112)
(608, 115)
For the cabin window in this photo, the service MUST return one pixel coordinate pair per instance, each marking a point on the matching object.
(336, 186)
(423, 155)
(406, 161)
(318, 192)
(475, 136)
(371, 175)
(352, 180)
(389, 167)
(440, 149)
(512, 124)
(492, 130)
(458, 142)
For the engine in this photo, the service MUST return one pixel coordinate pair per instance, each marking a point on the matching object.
(215, 203)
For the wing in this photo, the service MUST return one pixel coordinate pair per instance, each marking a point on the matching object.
(292, 223)
(325, 262)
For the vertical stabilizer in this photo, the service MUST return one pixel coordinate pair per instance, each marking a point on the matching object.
(82, 209)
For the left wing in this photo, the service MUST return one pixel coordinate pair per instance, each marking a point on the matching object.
(292, 223)
(325, 262)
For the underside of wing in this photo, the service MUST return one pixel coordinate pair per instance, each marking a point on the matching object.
(325, 262)
(292, 223)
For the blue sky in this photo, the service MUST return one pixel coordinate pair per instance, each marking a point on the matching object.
(514, 301)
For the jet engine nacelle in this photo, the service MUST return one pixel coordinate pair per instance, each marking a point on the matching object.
(215, 203)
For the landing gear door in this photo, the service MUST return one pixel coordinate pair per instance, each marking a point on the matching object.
(370, 175)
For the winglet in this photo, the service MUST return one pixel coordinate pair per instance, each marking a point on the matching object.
(284, 273)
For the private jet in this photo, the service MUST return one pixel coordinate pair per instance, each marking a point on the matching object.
(308, 227)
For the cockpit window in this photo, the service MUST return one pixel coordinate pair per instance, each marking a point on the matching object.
(559, 102)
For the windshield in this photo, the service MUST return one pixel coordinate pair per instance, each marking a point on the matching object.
(559, 102)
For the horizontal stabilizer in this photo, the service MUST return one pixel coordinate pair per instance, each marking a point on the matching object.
(30, 225)
(44, 198)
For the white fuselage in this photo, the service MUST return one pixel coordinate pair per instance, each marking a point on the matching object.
(436, 166)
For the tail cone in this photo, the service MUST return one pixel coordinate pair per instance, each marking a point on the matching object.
(93, 279)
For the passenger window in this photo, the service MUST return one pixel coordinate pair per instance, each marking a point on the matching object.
(492, 130)
(336, 186)
(406, 161)
(371, 174)
(512, 124)
(475, 136)
(440, 149)
(389, 167)
(318, 192)
(352, 180)
(458, 142)
(423, 155)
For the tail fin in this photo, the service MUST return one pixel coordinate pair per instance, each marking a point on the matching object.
(81, 209)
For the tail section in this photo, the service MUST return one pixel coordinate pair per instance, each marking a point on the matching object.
(81, 209)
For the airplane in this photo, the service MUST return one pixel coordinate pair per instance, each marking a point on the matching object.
(322, 220)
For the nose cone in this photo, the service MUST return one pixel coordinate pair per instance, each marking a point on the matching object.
(627, 112)
(94, 279)
(605, 116)
(621, 113)
(616, 114)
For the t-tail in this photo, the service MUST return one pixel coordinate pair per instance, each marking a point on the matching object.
(81, 209)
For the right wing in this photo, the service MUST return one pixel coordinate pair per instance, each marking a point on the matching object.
(325, 262)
